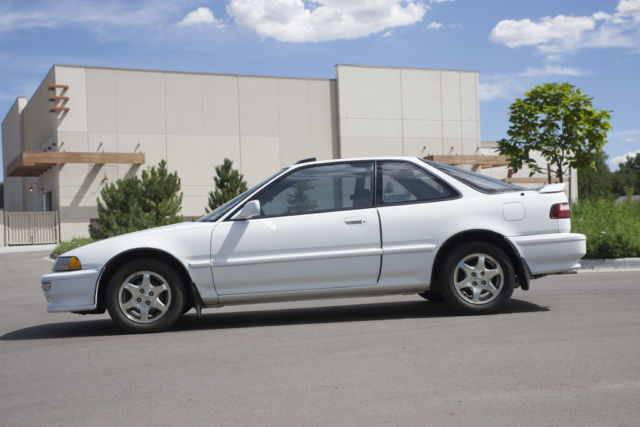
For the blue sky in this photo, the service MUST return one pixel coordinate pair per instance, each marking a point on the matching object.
(513, 44)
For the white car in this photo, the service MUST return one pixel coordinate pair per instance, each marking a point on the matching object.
(339, 228)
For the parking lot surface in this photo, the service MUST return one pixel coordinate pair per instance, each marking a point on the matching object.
(567, 352)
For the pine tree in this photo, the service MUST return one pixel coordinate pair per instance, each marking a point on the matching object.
(161, 198)
(134, 204)
(229, 183)
(119, 210)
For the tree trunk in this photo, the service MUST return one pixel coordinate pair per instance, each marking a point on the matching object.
(559, 172)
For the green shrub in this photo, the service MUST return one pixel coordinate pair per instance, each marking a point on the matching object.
(76, 242)
(133, 203)
(612, 230)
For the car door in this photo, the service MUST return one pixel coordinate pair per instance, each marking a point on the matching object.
(317, 229)
(415, 213)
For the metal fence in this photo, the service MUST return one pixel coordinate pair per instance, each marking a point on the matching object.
(31, 228)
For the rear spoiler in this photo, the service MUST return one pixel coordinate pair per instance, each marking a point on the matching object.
(552, 188)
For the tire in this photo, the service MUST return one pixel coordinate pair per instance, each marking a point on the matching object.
(477, 278)
(145, 295)
(431, 295)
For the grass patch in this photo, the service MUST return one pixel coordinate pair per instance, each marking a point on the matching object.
(612, 230)
(76, 242)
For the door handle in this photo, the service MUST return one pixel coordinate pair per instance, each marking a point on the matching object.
(354, 220)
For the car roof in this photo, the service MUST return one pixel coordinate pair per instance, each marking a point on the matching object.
(352, 159)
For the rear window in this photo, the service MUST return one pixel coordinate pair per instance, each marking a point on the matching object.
(480, 182)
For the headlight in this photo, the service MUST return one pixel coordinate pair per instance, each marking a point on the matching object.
(67, 263)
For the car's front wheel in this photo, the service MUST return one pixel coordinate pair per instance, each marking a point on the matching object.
(145, 295)
(477, 278)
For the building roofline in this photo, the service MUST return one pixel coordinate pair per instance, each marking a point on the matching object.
(145, 70)
(405, 68)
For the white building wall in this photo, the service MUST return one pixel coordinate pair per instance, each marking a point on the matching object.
(401, 111)
(193, 121)
(2, 240)
(12, 145)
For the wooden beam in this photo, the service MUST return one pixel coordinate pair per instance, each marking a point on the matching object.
(468, 159)
(30, 163)
(56, 109)
(55, 98)
(56, 86)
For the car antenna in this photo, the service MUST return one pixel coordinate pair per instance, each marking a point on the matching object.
(307, 160)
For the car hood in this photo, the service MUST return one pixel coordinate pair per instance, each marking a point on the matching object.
(168, 238)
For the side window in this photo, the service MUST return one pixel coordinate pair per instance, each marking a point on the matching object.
(320, 188)
(400, 182)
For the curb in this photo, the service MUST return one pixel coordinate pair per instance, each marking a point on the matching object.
(602, 265)
(27, 248)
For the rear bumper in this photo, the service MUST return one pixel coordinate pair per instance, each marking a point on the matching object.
(70, 290)
(551, 253)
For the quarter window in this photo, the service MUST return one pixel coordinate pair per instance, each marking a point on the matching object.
(401, 182)
(320, 188)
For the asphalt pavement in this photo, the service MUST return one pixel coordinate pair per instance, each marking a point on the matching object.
(567, 352)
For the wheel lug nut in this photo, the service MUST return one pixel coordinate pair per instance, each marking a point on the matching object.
(150, 294)
(473, 274)
(482, 274)
(475, 283)
(148, 302)
(139, 299)
(142, 291)
(484, 283)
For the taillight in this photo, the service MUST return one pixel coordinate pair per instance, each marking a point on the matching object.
(560, 210)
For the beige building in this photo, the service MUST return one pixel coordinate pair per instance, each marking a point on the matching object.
(86, 126)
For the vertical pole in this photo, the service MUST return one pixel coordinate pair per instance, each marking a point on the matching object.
(570, 185)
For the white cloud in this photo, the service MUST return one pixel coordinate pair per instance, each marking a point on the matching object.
(552, 70)
(433, 25)
(510, 86)
(200, 16)
(324, 20)
(562, 34)
(614, 162)
(629, 136)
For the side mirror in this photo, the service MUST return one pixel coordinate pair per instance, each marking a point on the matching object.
(249, 210)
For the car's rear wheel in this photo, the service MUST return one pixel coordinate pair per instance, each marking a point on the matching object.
(477, 278)
(145, 295)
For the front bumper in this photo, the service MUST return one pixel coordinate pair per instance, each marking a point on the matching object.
(70, 290)
(551, 253)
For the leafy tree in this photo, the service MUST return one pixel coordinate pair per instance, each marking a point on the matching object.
(133, 204)
(299, 201)
(229, 184)
(627, 177)
(559, 122)
(596, 182)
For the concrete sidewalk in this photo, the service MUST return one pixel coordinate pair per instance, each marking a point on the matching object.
(618, 264)
(27, 248)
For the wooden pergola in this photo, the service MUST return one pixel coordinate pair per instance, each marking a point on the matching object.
(34, 163)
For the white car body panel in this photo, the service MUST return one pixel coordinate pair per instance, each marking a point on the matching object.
(550, 253)
(299, 252)
(379, 250)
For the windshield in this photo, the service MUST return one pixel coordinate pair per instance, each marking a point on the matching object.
(217, 213)
(480, 182)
